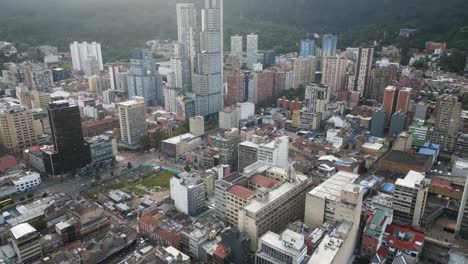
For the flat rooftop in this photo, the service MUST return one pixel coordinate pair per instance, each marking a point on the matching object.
(178, 139)
(255, 206)
(411, 179)
(331, 188)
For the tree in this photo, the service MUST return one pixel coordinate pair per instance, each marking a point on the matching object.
(98, 178)
(187, 168)
(30, 195)
(22, 199)
(44, 195)
(129, 165)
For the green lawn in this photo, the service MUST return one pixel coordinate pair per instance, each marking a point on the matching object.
(140, 187)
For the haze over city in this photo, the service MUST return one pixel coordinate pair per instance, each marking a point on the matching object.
(212, 131)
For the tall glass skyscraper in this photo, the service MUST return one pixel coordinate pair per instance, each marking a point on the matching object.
(143, 78)
(329, 45)
(307, 48)
(207, 78)
(186, 28)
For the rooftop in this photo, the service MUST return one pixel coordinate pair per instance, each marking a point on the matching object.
(406, 158)
(255, 205)
(263, 181)
(178, 139)
(241, 192)
(289, 241)
(411, 179)
(22, 230)
(331, 188)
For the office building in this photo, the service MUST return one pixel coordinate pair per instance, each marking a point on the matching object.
(102, 151)
(207, 78)
(252, 50)
(178, 145)
(197, 125)
(398, 124)
(221, 192)
(132, 121)
(409, 199)
(144, 79)
(237, 196)
(336, 245)
(273, 209)
(237, 46)
(40, 99)
(361, 80)
(228, 147)
(329, 45)
(334, 73)
(287, 247)
(186, 44)
(109, 96)
(188, 193)
(307, 48)
(378, 124)
(26, 181)
(98, 84)
(448, 118)
(262, 86)
(462, 219)
(316, 98)
(16, 126)
(338, 198)
(26, 242)
(235, 88)
(420, 111)
(381, 77)
(38, 76)
(69, 149)
(248, 152)
(275, 152)
(335, 200)
(304, 70)
(87, 57)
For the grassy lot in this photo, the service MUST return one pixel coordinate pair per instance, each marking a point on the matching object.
(140, 187)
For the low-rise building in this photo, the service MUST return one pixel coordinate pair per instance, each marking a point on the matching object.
(26, 181)
(25, 241)
(288, 247)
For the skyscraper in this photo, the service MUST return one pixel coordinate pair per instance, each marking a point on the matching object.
(329, 45)
(334, 73)
(252, 50)
(304, 70)
(207, 79)
(70, 151)
(307, 48)
(132, 121)
(185, 48)
(87, 57)
(143, 78)
(361, 80)
(237, 46)
(448, 117)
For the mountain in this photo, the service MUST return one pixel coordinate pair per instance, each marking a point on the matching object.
(123, 24)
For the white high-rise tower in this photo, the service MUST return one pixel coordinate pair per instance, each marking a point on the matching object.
(252, 50)
(87, 57)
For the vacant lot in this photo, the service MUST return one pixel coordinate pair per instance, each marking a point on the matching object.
(136, 185)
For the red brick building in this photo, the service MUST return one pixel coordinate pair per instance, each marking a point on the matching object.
(94, 128)
(403, 162)
(235, 88)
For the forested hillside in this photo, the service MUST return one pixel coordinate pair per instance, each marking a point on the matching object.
(123, 24)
